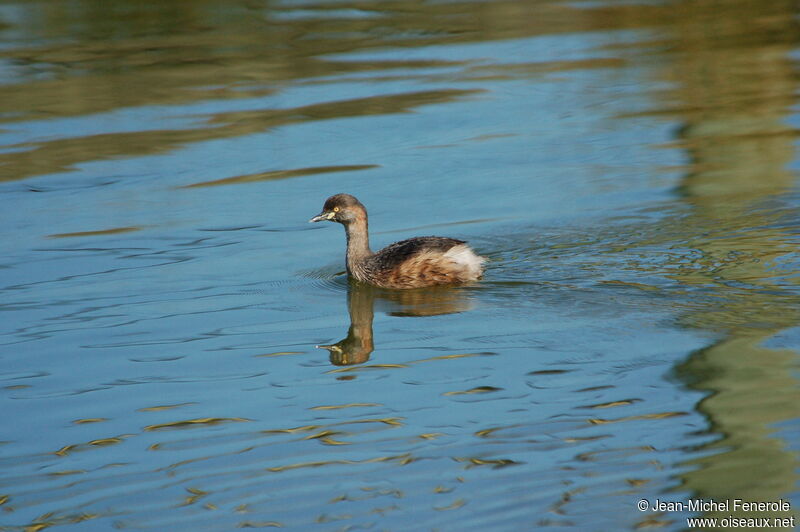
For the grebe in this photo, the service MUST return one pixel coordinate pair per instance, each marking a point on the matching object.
(413, 263)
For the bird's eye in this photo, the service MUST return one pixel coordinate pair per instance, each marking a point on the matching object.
(336, 209)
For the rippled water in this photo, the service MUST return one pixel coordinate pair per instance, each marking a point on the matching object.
(629, 168)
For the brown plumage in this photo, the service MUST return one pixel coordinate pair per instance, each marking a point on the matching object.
(412, 263)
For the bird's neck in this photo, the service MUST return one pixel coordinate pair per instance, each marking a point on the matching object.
(357, 243)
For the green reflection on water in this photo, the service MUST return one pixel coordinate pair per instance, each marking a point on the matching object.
(733, 84)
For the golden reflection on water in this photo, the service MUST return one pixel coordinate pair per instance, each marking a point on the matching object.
(280, 174)
(184, 423)
(99, 232)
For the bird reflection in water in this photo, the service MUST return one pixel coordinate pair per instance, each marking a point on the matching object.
(356, 347)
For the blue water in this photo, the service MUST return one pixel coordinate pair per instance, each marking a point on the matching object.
(162, 295)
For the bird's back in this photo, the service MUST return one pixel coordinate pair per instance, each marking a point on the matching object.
(423, 261)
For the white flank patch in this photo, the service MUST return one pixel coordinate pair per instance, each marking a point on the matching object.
(463, 254)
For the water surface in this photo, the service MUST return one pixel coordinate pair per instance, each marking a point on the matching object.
(629, 168)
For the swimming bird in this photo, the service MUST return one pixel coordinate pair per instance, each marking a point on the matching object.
(412, 263)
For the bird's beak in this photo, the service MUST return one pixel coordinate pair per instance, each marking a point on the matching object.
(321, 217)
(332, 347)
